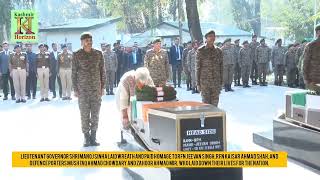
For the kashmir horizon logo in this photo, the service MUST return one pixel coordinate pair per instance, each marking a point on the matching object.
(24, 26)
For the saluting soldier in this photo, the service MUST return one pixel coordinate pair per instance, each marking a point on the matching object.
(43, 72)
(209, 70)
(64, 72)
(18, 66)
(245, 62)
(111, 64)
(228, 64)
(277, 58)
(88, 80)
(237, 68)
(157, 62)
(263, 54)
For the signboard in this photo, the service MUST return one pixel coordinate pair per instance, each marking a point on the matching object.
(202, 134)
(24, 26)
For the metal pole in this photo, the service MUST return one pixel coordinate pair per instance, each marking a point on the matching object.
(180, 21)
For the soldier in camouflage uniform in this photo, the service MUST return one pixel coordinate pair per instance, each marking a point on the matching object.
(277, 59)
(186, 69)
(209, 70)
(192, 54)
(157, 62)
(299, 60)
(111, 64)
(88, 79)
(237, 68)
(228, 64)
(291, 66)
(254, 68)
(311, 63)
(263, 54)
(18, 66)
(245, 63)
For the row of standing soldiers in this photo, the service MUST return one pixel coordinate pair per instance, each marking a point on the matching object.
(252, 60)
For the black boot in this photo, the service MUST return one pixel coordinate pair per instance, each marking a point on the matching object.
(247, 85)
(226, 88)
(235, 83)
(197, 91)
(193, 90)
(93, 141)
(230, 89)
(86, 139)
(188, 88)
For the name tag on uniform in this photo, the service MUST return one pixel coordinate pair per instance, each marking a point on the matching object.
(43, 67)
(19, 68)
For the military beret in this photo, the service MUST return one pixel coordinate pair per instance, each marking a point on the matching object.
(317, 28)
(108, 45)
(262, 40)
(227, 40)
(17, 46)
(245, 42)
(85, 35)
(40, 45)
(46, 46)
(254, 36)
(237, 40)
(209, 32)
(5, 42)
(189, 42)
(156, 40)
(278, 41)
(63, 46)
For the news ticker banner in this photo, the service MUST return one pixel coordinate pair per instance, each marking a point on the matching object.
(149, 159)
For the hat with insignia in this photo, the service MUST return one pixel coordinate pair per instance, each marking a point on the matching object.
(63, 46)
(227, 40)
(245, 42)
(156, 40)
(17, 46)
(40, 45)
(237, 40)
(209, 32)
(85, 35)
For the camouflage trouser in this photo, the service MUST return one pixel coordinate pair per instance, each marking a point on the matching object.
(245, 73)
(301, 81)
(278, 74)
(210, 95)
(228, 74)
(237, 72)
(254, 71)
(292, 75)
(193, 78)
(263, 70)
(89, 106)
(110, 75)
(188, 76)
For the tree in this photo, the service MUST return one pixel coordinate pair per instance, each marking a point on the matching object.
(296, 18)
(193, 20)
(5, 13)
(247, 15)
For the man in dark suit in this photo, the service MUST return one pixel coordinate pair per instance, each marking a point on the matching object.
(135, 57)
(4, 72)
(32, 78)
(176, 61)
(54, 71)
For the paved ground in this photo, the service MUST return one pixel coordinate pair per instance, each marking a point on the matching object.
(55, 126)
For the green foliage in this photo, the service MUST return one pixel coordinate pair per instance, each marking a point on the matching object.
(5, 13)
(296, 17)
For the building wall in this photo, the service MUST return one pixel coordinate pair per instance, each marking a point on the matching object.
(107, 33)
